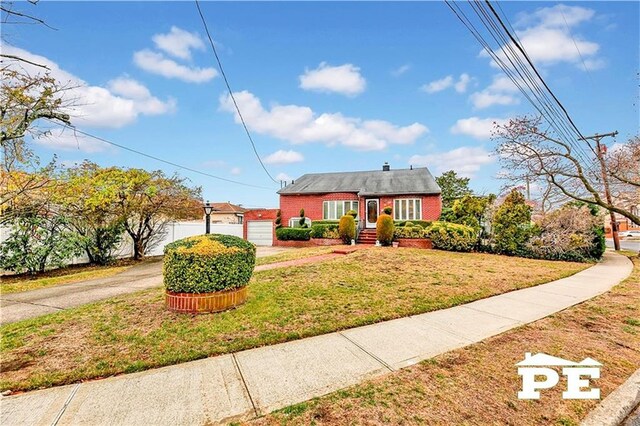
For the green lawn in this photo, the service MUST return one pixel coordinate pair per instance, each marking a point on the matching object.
(135, 332)
(294, 254)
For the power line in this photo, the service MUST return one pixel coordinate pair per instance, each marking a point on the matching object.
(226, 81)
(520, 74)
(171, 163)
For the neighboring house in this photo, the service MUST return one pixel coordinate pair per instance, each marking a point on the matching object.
(413, 194)
(227, 213)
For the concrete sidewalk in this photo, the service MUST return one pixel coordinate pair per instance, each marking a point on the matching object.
(30, 304)
(257, 381)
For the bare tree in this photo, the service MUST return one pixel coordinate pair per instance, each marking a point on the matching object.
(561, 168)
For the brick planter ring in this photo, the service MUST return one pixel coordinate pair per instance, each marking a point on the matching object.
(198, 303)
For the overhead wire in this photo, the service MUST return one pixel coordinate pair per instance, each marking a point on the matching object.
(233, 98)
(153, 157)
(520, 74)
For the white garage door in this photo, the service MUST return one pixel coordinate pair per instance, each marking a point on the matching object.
(260, 232)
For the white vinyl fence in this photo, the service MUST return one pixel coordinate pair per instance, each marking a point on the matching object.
(173, 231)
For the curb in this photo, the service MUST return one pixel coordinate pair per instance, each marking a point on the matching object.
(615, 408)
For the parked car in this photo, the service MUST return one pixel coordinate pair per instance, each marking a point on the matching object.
(630, 233)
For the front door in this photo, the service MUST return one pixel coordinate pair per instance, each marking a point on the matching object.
(371, 211)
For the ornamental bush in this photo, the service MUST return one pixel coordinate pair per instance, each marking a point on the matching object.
(409, 231)
(208, 263)
(325, 231)
(293, 234)
(421, 223)
(387, 210)
(347, 228)
(512, 225)
(278, 219)
(452, 236)
(384, 229)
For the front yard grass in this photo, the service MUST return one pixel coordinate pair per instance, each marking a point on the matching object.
(298, 253)
(136, 332)
(478, 385)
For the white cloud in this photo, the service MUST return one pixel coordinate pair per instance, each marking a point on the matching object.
(178, 42)
(401, 70)
(284, 177)
(479, 128)
(485, 99)
(284, 157)
(157, 63)
(462, 83)
(500, 92)
(547, 36)
(459, 85)
(114, 106)
(438, 85)
(556, 16)
(466, 160)
(344, 79)
(67, 140)
(236, 171)
(300, 124)
(144, 102)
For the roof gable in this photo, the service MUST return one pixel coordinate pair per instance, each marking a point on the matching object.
(378, 182)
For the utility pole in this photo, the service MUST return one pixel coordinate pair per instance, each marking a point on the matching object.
(600, 151)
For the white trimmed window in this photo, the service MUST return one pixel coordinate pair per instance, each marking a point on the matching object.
(334, 210)
(407, 209)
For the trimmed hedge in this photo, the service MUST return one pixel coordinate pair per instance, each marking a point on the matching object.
(452, 236)
(421, 223)
(208, 263)
(324, 231)
(384, 229)
(293, 234)
(347, 228)
(410, 232)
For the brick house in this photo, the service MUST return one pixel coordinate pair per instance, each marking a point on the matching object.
(413, 194)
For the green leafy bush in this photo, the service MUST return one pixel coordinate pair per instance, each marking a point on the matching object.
(421, 223)
(208, 263)
(326, 222)
(325, 231)
(347, 228)
(409, 231)
(384, 229)
(293, 234)
(278, 219)
(512, 225)
(352, 213)
(452, 236)
(38, 242)
(387, 210)
(302, 221)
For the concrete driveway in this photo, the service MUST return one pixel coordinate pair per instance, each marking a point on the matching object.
(29, 304)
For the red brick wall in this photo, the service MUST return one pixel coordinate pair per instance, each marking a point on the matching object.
(259, 214)
(290, 205)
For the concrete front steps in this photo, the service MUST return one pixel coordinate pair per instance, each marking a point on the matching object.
(367, 236)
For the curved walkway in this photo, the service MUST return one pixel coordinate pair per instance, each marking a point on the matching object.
(257, 381)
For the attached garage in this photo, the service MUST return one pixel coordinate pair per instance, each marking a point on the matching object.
(260, 232)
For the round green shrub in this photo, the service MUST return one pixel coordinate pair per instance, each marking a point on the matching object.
(347, 228)
(208, 263)
(384, 229)
(452, 236)
(352, 213)
(387, 210)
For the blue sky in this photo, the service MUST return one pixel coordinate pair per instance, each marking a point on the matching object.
(323, 86)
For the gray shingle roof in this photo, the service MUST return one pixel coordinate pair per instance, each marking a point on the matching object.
(378, 182)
